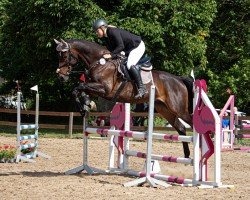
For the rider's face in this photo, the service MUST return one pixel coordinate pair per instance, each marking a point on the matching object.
(100, 32)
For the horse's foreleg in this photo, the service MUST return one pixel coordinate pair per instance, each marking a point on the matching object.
(94, 87)
(82, 100)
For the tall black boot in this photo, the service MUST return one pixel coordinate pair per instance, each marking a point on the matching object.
(137, 77)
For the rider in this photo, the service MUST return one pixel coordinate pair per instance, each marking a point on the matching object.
(119, 40)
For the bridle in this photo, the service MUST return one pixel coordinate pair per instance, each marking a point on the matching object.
(68, 61)
(70, 57)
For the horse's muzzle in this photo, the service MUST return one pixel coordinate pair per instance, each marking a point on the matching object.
(61, 76)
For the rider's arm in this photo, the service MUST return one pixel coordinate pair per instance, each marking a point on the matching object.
(116, 41)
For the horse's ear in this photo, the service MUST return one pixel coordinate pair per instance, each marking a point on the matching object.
(67, 47)
(65, 43)
(56, 41)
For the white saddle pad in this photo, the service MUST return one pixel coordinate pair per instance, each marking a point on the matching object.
(146, 76)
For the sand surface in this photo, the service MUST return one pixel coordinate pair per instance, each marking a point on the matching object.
(45, 179)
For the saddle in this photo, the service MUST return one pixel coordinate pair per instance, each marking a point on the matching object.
(143, 64)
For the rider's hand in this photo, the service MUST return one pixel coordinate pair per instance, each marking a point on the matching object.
(107, 56)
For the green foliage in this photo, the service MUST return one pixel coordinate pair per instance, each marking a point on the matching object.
(207, 35)
(27, 46)
(228, 54)
(186, 29)
(159, 122)
(174, 31)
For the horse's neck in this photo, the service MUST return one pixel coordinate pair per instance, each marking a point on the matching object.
(90, 55)
(107, 72)
(88, 58)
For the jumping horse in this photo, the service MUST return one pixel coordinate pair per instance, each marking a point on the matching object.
(173, 98)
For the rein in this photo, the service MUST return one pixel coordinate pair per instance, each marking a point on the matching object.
(76, 72)
(93, 65)
(68, 63)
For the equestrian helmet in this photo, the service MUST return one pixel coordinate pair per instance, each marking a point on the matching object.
(98, 23)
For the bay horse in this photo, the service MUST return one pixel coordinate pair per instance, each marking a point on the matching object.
(141, 107)
(173, 94)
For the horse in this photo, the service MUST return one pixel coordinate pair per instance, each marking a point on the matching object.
(141, 107)
(173, 96)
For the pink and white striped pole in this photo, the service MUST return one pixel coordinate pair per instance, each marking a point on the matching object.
(165, 158)
(139, 135)
(169, 179)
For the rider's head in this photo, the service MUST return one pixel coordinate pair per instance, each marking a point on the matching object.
(99, 26)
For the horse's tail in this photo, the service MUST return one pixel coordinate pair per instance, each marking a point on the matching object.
(188, 81)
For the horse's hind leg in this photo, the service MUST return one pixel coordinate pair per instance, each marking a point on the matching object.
(186, 117)
(175, 122)
(182, 131)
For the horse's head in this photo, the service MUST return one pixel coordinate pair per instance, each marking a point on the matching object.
(67, 59)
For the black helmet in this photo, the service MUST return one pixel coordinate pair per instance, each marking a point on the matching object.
(98, 23)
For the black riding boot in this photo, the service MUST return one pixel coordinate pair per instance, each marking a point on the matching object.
(137, 77)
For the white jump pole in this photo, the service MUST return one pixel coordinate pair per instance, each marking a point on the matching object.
(85, 165)
(125, 157)
(39, 153)
(217, 149)
(217, 140)
(112, 152)
(20, 138)
(196, 146)
(148, 179)
(19, 156)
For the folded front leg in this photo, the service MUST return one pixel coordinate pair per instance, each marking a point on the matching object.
(95, 88)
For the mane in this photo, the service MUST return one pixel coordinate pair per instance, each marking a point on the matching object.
(93, 50)
(83, 44)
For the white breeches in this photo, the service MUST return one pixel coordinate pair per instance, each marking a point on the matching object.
(135, 55)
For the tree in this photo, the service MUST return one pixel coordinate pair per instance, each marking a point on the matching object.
(228, 53)
(173, 31)
(178, 37)
(27, 47)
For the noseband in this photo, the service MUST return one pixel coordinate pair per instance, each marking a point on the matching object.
(68, 63)
(70, 66)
